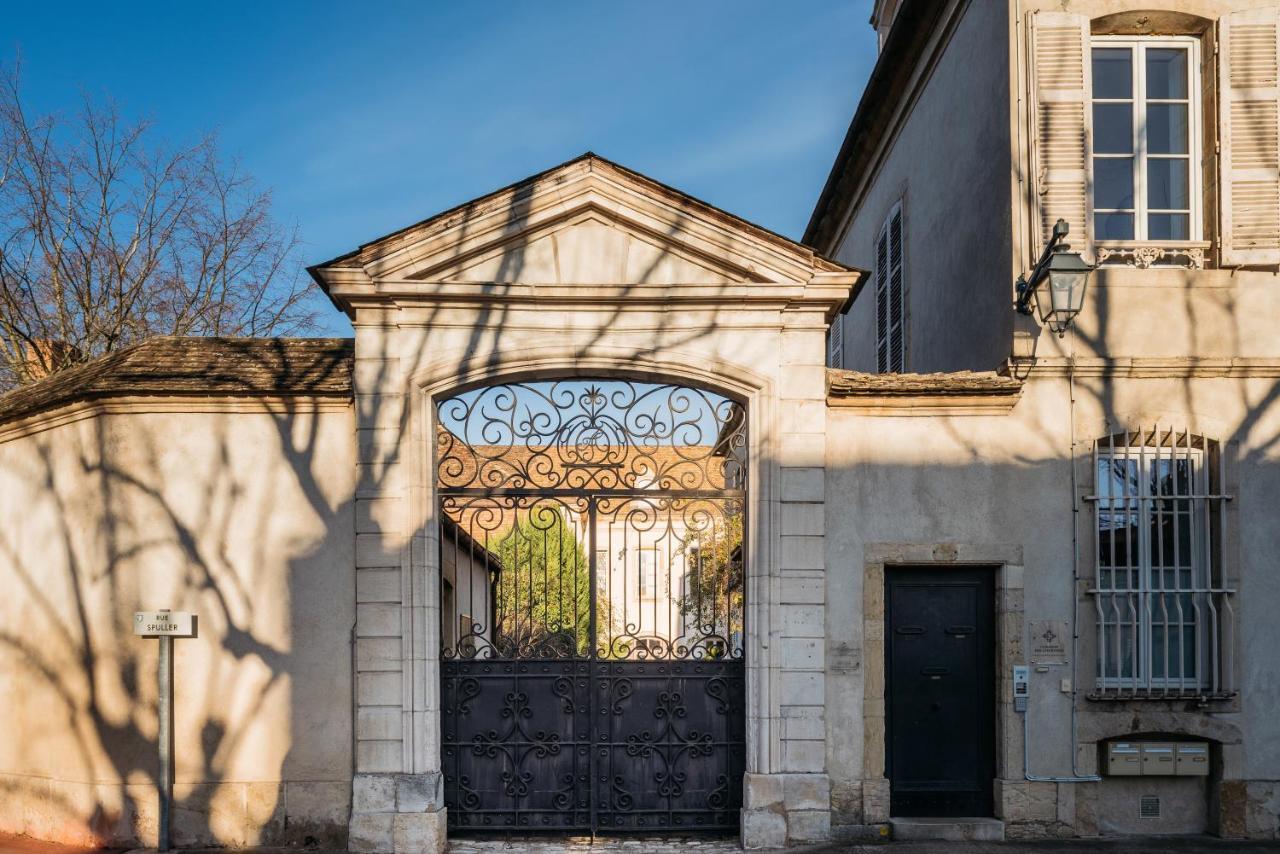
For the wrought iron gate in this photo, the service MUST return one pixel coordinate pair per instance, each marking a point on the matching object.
(592, 604)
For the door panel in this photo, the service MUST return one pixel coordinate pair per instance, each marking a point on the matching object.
(940, 730)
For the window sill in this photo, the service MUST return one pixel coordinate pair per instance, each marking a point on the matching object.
(1113, 695)
(1188, 254)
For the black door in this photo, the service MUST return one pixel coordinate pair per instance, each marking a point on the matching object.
(941, 692)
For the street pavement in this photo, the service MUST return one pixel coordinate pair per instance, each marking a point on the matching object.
(1128, 845)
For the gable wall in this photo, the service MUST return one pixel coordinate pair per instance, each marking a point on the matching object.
(949, 163)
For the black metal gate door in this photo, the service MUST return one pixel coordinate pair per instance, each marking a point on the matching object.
(941, 691)
(592, 607)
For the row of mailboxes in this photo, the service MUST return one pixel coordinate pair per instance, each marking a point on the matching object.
(1158, 758)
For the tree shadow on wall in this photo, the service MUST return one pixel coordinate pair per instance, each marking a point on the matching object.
(242, 516)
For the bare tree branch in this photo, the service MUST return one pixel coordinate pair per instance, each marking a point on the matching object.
(105, 240)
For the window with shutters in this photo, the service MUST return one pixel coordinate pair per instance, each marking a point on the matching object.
(1152, 146)
(1146, 139)
(891, 321)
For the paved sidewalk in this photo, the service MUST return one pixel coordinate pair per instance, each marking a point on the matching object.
(1152, 845)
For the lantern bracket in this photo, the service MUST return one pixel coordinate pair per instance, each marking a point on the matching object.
(1026, 286)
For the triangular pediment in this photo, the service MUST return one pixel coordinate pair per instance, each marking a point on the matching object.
(588, 247)
(588, 222)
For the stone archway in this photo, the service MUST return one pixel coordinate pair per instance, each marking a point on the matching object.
(588, 269)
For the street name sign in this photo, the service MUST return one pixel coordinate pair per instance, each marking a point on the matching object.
(178, 624)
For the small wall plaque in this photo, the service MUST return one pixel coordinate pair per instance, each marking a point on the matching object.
(1050, 642)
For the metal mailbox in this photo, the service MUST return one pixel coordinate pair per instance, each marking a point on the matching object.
(1124, 759)
(1193, 759)
(1159, 759)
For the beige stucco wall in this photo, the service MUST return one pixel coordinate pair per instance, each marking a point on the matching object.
(995, 488)
(949, 163)
(243, 516)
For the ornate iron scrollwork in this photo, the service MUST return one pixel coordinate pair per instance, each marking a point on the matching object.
(592, 601)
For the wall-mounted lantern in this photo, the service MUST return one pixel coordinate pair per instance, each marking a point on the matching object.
(1057, 284)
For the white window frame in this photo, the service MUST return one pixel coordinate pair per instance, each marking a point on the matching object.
(1195, 118)
(1143, 606)
(648, 575)
(884, 278)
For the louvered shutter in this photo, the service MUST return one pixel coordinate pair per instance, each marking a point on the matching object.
(1249, 122)
(891, 326)
(897, 297)
(835, 342)
(1061, 77)
(882, 301)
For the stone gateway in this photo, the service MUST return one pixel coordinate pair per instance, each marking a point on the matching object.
(620, 515)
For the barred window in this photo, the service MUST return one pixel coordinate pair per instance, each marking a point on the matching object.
(1164, 613)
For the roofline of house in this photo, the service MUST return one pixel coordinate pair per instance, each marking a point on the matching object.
(912, 28)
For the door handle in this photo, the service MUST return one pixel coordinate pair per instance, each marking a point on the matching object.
(961, 630)
(910, 630)
(934, 671)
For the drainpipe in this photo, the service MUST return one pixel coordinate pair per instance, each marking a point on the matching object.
(1076, 776)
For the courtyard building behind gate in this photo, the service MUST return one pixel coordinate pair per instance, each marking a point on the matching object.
(622, 515)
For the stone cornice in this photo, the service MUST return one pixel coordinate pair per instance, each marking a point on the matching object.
(954, 393)
(1149, 367)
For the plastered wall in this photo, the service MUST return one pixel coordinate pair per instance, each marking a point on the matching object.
(996, 489)
(243, 516)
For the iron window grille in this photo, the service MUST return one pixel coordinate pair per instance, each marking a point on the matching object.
(1165, 620)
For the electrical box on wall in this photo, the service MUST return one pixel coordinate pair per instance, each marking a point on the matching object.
(1157, 759)
(1021, 687)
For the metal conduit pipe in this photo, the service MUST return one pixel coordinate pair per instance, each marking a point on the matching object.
(1076, 776)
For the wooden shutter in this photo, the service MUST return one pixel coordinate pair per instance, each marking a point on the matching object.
(835, 342)
(1249, 128)
(882, 301)
(1061, 79)
(891, 326)
(897, 296)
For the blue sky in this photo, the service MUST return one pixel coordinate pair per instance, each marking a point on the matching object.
(365, 117)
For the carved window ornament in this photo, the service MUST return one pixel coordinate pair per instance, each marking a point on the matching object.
(1180, 254)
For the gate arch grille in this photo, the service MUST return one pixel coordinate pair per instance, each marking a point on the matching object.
(592, 606)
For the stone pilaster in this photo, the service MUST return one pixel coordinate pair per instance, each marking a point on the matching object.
(792, 803)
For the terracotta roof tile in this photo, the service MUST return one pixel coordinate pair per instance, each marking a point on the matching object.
(204, 367)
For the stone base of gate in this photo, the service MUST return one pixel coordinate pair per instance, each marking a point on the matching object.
(785, 809)
(397, 814)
